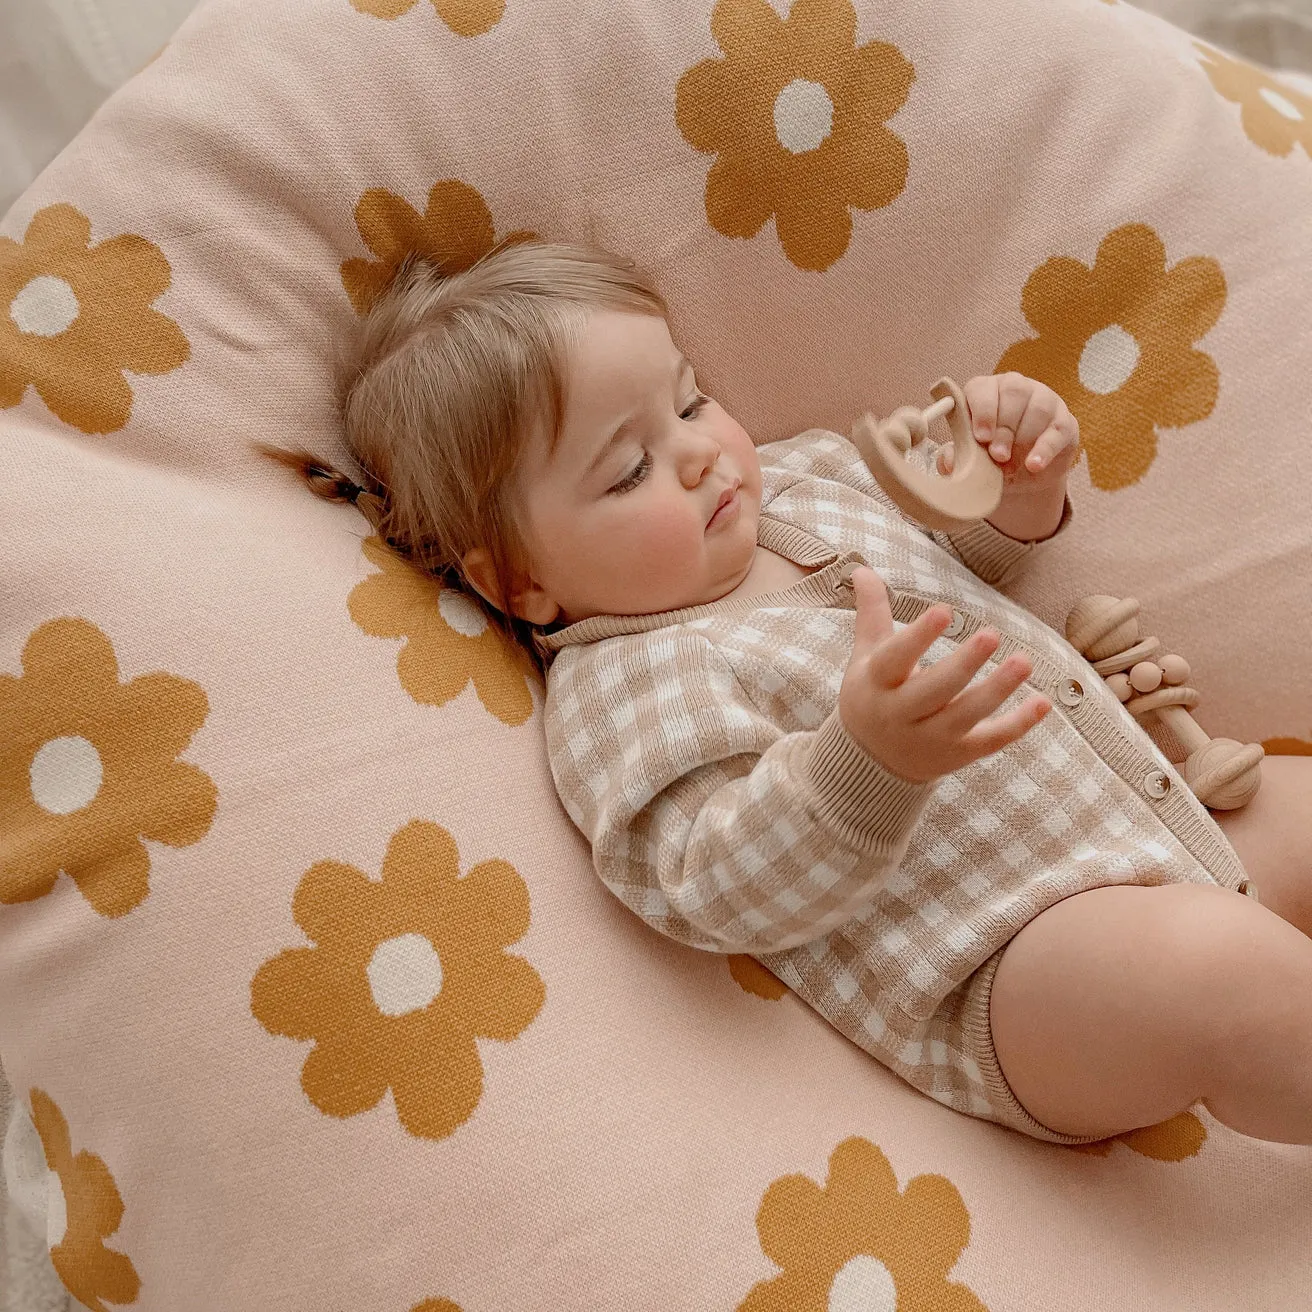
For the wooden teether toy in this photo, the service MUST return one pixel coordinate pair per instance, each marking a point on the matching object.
(1223, 774)
(970, 493)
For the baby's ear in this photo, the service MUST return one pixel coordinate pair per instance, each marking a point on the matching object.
(534, 606)
(477, 567)
(528, 603)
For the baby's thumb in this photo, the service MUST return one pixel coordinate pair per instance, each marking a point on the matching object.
(945, 458)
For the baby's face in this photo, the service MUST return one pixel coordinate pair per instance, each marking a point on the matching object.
(650, 500)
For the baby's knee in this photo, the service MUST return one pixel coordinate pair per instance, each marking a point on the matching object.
(1210, 962)
(1217, 941)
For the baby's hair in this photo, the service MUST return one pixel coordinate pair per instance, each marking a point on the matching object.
(453, 373)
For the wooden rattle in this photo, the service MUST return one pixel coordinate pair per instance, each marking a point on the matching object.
(1223, 774)
(970, 493)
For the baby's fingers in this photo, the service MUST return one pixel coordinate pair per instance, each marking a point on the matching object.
(984, 697)
(1063, 434)
(894, 659)
(1002, 730)
(874, 615)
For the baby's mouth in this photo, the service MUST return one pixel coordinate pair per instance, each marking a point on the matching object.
(726, 505)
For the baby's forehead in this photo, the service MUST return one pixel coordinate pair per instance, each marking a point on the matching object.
(604, 331)
(618, 358)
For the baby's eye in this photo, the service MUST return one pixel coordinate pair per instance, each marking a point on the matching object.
(635, 476)
(694, 407)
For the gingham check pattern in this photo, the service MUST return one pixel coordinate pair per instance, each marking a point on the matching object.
(701, 754)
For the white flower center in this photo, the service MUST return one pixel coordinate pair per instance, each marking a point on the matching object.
(45, 306)
(864, 1284)
(1281, 105)
(65, 775)
(405, 974)
(803, 116)
(56, 1210)
(460, 613)
(1108, 359)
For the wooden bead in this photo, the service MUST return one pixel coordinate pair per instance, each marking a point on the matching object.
(1100, 626)
(1175, 669)
(1120, 685)
(1224, 774)
(1145, 676)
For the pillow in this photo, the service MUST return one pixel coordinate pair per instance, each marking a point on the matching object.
(312, 998)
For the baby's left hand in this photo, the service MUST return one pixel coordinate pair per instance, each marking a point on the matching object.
(1029, 432)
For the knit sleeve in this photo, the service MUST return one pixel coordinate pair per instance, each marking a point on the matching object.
(705, 818)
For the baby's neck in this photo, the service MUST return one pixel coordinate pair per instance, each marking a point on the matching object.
(769, 572)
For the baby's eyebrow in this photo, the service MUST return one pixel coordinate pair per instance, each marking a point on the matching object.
(684, 366)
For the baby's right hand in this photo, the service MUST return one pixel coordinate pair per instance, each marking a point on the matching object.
(918, 723)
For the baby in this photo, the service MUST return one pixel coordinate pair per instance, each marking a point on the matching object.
(794, 724)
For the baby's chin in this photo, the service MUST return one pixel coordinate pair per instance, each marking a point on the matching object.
(700, 594)
(704, 595)
(729, 581)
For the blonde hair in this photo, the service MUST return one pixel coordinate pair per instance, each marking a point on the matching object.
(453, 373)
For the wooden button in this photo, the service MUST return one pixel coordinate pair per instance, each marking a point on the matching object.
(1157, 783)
(845, 576)
(1070, 692)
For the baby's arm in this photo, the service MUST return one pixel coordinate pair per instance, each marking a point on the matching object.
(705, 818)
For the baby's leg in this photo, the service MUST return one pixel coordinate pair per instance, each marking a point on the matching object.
(1120, 1007)
(1273, 838)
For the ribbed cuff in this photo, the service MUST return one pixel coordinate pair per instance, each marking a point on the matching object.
(990, 554)
(868, 804)
(977, 1034)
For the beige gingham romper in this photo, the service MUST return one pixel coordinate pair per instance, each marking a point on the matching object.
(701, 753)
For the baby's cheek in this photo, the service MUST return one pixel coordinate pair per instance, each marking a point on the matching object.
(638, 557)
(739, 446)
(667, 540)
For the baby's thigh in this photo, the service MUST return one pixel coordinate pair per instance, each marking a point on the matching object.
(1273, 838)
(1095, 1037)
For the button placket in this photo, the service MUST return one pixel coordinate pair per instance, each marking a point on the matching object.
(1071, 692)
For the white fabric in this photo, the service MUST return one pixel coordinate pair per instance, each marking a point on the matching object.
(58, 60)
(27, 1280)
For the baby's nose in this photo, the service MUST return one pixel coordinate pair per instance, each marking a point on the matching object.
(698, 461)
